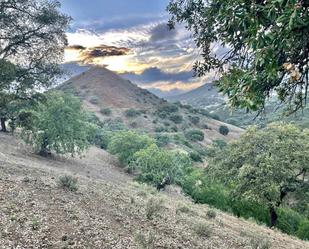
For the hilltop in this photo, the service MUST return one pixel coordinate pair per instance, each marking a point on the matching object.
(109, 210)
(114, 99)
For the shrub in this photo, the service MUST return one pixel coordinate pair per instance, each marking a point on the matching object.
(102, 138)
(219, 143)
(194, 119)
(168, 108)
(156, 165)
(196, 157)
(260, 243)
(202, 229)
(205, 126)
(194, 135)
(162, 140)
(94, 100)
(153, 207)
(145, 241)
(106, 111)
(303, 230)
(176, 118)
(211, 214)
(224, 130)
(68, 182)
(125, 144)
(132, 113)
(174, 128)
(160, 129)
(288, 220)
(183, 209)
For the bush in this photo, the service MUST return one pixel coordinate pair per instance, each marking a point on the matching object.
(106, 111)
(288, 220)
(168, 108)
(155, 165)
(194, 135)
(125, 144)
(132, 113)
(303, 230)
(94, 100)
(162, 140)
(194, 119)
(102, 138)
(176, 118)
(160, 129)
(224, 130)
(260, 243)
(202, 229)
(153, 207)
(145, 241)
(196, 157)
(211, 214)
(68, 182)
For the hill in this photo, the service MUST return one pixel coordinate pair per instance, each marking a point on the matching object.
(108, 210)
(203, 96)
(116, 100)
(208, 98)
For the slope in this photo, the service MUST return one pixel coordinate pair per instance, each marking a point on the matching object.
(108, 210)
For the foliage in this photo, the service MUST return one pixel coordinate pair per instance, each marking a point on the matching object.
(176, 118)
(125, 144)
(194, 119)
(211, 214)
(224, 130)
(94, 100)
(68, 182)
(106, 111)
(289, 220)
(132, 113)
(194, 135)
(32, 44)
(102, 138)
(264, 47)
(303, 230)
(264, 165)
(59, 124)
(195, 156)
(162, 140)
(154, 165)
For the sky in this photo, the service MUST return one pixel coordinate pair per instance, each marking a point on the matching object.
(131, 38)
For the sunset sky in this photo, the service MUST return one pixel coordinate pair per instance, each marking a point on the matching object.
(132, 38)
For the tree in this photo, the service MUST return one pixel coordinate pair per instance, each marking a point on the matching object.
(265, 165)
(224, 130)
(59, 124)
(32, 42)
(125, 144)
(263, 47)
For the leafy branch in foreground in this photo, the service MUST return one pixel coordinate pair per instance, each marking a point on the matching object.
(263, 47)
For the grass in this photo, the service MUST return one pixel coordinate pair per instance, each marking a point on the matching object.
(153, 207)
(202, 229)
(68, 182)
(145, 241)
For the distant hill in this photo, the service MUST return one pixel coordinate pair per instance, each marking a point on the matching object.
(104, 87)
(100, 88)
(203, 96)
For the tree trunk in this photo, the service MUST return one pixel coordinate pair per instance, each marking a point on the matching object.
(272, 216)
(44, 148)
(3, 126)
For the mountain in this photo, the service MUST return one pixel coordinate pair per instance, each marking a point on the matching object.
(104, 87)
(203, 96)
(137, 108)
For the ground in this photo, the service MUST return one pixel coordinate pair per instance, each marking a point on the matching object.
(109, 210)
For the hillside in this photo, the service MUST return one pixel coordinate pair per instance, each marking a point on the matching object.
(203, 96)
(109, 210)
(110, 97)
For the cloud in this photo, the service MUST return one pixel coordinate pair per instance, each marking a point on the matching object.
(161, 32)
(91, 55)
(154, 74)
